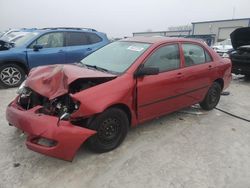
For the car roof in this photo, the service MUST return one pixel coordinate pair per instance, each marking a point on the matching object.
(49, 29)
(159, 39)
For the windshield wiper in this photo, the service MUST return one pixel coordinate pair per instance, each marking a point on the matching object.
(96, 67)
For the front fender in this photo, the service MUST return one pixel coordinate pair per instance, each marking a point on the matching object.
(96, 99)
(17, 56)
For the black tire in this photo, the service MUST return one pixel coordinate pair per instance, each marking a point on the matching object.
(112, 127)
(11, 75)
(247, 76)
(212, 97)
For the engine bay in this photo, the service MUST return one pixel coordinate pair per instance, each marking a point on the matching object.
(58, 106)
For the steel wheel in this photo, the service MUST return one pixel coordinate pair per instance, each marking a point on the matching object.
(109, 130)
(111, 127)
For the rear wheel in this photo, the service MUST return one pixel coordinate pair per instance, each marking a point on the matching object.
(11, 75)
(112, 127)
(212, 97)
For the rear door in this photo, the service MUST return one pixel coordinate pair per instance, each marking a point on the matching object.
(198, 71)
(51, 53)
(162, 93)
(80, 44)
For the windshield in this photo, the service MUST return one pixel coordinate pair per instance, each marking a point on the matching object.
(116, 57)
(21, 41)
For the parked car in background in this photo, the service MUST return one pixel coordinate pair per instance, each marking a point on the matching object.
(46, 46)
(119, 86)
(8, 39)
(13, 34)
(1, 33)
(223, 48)
(240, 56)
(5, 45)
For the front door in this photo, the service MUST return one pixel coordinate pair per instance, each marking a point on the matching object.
(162, 93)
(52, 51)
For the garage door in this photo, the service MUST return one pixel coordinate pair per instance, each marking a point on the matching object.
(224, 32)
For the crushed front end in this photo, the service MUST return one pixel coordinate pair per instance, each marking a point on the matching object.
(47, 123)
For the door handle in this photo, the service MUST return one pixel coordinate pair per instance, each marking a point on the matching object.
(60, 51)
(89, 49)
(179, 75)
(210, 67)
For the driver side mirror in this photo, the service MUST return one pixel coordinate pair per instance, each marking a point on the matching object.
(143, 71)
(37, 47)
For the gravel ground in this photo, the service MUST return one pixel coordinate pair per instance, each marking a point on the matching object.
(183, 149)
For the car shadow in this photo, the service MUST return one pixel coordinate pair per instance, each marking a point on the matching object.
(167, 122)
(247, 79)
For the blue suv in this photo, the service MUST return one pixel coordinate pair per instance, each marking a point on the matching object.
(43, 47)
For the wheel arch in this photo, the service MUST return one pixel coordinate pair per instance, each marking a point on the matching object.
(221, 82)
(18, 63)
(124, 108)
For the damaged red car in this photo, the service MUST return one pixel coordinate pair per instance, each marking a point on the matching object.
(119, 86)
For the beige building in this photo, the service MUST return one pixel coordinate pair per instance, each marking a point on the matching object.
(164, 33)
(209, 31)
(220, 29)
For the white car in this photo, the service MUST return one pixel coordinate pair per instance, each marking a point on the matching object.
(223, 47)
(13, 36)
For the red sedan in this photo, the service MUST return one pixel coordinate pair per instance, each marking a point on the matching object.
(119, 86)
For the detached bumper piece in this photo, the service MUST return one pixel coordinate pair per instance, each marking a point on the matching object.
(45, 134)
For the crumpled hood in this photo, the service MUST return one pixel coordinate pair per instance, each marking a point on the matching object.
(53, 80)
(240, 37)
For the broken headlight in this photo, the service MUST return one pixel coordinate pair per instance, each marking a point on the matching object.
(21, 88)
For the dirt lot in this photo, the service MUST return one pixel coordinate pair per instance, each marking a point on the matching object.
(211, 149)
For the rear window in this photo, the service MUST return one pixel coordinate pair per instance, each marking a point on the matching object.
(94, 38)
(76, 39)
(81, 38)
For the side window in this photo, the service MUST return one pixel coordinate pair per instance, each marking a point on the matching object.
(166, 58)
(208, 57)
(76, 39)
(50, 40)
(194, 54)
(94, 38)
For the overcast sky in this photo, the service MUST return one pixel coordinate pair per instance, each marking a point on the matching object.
(117, 18)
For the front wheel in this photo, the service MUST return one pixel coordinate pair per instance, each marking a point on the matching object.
(11, 75)
(112, 127)
(212, 97)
